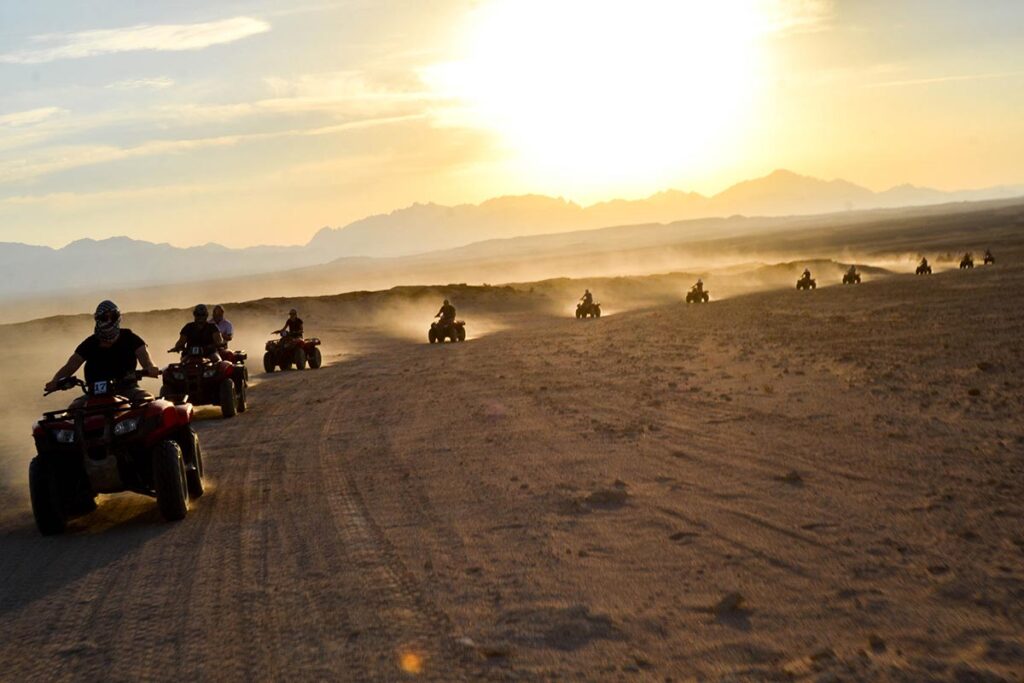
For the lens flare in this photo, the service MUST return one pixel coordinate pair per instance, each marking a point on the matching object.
(410, 662)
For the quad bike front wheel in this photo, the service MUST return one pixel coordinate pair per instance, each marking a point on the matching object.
(316, 359)
(300, 358)
(268, 362)
(228, 398)
(169, 481)
(242, 394)
(432, 335)
(461, 332)
(47, 507)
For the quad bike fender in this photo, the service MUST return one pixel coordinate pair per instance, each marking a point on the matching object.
(172, 418)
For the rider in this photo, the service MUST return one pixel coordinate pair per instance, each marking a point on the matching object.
(292, 326)
(224, 326)
(110, 353)
(807, 273)
(447, 313)
(988, 254)
(852, 270)
(699, 286)
(587, 298)
(201, 334)
(924, 262)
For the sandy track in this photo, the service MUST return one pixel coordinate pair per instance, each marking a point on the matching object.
(571, 500)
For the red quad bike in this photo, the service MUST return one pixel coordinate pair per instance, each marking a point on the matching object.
(585, 310)
(108, 444)
(453, 331)
(806, 282)
(288, 351)
(205, 382)
(698, 296)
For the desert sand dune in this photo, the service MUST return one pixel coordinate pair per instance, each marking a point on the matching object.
(782, 485)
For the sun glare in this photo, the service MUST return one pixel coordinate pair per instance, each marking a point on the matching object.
(606, 95)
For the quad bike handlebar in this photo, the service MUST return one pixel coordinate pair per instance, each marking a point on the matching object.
(65, 383)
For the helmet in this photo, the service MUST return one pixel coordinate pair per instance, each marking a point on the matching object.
(293, 312)
(200, 311)
(446, 302)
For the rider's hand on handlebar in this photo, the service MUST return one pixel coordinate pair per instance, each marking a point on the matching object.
(152, 372)
(51, 386)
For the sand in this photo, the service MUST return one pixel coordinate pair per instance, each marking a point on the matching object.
(782, 485)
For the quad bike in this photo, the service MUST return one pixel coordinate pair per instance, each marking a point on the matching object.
(291, 351)
(207, 382)
(106, 443)
(698, 296)
(806, 282)
(585, 310)
(453, 330)
(851, 278)
(967, 262)
(923, 269)
(990, 260)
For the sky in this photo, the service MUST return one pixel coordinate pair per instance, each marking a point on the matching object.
(254, 122)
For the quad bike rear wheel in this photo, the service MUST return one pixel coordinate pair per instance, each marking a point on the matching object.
(192, 452)
(169, 481)
(461, 332)
(316, 359)
(300, 358)
(47, 507)
(268, 362)
(228, 398)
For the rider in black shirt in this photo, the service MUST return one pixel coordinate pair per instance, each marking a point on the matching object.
(110, 353)
(200, 334)
(293, 325)
(447, 313)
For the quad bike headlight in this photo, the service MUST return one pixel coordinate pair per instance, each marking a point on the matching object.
(65, 435)
(209, 373)
(126, 426)
(178, 375)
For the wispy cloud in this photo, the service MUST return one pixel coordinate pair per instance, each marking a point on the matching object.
(160, 37)
(797, 16)
(157, 83)
(66, 158)
(30, 116)
(946, 79)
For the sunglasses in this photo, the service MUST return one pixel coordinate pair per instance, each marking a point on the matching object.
(108, 317)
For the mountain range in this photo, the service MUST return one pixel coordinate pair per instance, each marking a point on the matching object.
(424, 228)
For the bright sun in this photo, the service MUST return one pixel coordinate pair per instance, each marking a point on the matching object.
(595, 95)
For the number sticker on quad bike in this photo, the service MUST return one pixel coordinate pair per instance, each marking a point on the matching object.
(99, 388)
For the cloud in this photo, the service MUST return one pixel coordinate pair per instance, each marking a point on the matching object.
(161, 37)
(946, 79)
(30, 116)
(66, 158)
(156, 83)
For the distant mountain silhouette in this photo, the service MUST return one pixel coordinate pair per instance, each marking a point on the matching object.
(424, 228)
